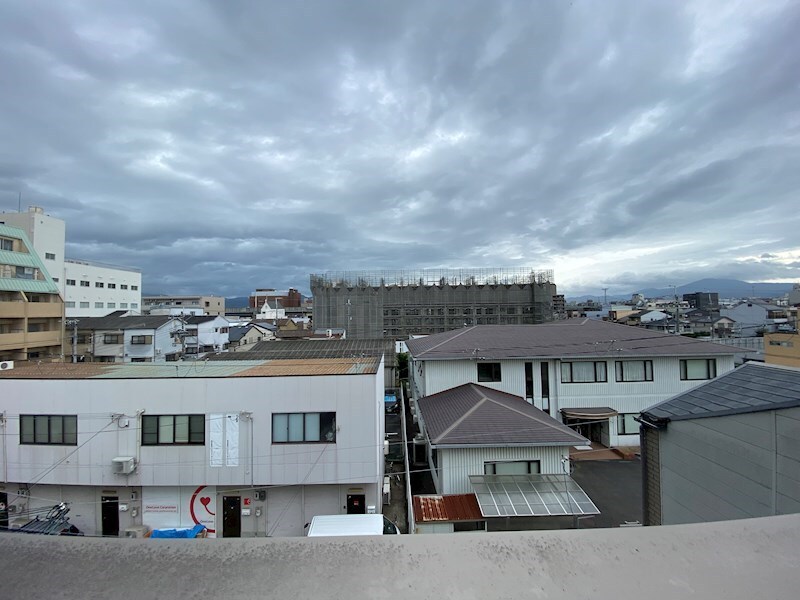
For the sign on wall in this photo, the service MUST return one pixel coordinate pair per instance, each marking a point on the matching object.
(173, 507)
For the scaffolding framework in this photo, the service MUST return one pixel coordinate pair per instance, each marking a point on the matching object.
(428, 277)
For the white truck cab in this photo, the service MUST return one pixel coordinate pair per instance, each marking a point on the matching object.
(340, 525)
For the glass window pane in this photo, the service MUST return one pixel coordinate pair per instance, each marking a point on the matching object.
(296, 427)
(26, 436)
(696, 369)
(71, 429)
(600, 371)
(565, 373)
(166, 424)
(582, 372)
(56, 430)
(41, 429)
(488, 468)
(149, 429)
(181, 429)
(511, 468)
(197, 429)
(280, 428)
(327, 426)
(312, 427)
(634, 370)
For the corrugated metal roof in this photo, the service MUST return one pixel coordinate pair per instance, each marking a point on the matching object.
(753, 387)
(450, 508)
(474, 415)
(309, 349)
(198, 369)
(569, 338)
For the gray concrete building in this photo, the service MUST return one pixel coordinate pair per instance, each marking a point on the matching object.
(727, 449)
(398, 304)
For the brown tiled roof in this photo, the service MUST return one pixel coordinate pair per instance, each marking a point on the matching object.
(564, 339)
(453, 507)
(474, 415)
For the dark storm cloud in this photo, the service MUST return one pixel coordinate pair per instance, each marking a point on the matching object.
(226, 146)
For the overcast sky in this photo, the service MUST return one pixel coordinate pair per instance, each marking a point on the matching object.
(222, 146)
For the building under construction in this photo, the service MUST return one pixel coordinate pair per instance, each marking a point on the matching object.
(396, 304)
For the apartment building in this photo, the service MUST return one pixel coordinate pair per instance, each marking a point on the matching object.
(176, 305)
(31, 309)
(88, 288)
(594, 376)
(253, 448)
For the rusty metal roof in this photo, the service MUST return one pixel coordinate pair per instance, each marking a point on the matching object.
(198, 369)
(445, 509)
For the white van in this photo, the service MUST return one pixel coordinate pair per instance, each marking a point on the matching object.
(337, 525)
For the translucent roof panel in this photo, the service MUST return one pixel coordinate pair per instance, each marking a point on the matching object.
(530, 496)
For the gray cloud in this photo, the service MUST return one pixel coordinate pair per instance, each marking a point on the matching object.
(238, 144)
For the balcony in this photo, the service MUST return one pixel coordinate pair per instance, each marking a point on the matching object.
(12, 310)
(41, 310)
(43, 338)
(10, 341)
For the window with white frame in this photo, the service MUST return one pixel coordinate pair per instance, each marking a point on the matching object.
(693, 369)
(583, 372)
(300, 428)
(511, 467)
(634, 370)
(626, 425)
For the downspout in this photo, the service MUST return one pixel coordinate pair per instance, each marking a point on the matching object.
(4, 420)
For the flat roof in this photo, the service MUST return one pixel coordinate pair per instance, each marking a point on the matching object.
(195, 369)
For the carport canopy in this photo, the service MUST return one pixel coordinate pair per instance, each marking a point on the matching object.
(594, 412)
(532, 495)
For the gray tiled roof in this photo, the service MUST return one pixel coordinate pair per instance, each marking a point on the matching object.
(115, 321)
(570, 338)
(474, 415)
(753, 387)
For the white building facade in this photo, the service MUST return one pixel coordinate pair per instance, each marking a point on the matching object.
(95, 289)
(242, 451)
(612, 378)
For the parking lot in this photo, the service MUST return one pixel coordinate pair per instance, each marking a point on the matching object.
(615, 486)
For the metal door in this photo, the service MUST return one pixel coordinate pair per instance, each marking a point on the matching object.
(356, 504)
(231, 516)
(109, 515)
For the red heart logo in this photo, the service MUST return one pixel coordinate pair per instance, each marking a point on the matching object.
(205, 500)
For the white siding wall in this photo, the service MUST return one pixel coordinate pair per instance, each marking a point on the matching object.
(457, 464)
(93, 273)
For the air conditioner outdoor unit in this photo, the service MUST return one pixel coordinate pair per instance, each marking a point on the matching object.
(6, 365)
(137, 532)
(123, 465)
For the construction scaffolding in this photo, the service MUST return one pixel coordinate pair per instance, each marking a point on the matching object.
(397, 304)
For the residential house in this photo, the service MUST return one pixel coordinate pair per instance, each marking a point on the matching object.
(480, 439)
(253, 448)
(570, 369)
(120, 337)
(755, 317)
(727, 449)
(209, 305)
(245, 337)
(782, 349)
(31, 308)
(206, 334)
(710, 323)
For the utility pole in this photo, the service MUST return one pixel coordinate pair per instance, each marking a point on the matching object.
(74, 323)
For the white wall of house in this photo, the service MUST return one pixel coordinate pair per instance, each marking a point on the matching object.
(209, 333)
(457, 464)
(122, 289)
(433, 376)
(353, 462)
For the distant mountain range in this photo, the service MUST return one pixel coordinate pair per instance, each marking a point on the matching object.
(237, 302)
(726, 288)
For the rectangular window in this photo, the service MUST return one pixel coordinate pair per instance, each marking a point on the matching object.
(134, 287)
(529, 380)
(626, 425)
(84, 305)
(69, 304)
(694, 369)
(55, 279)
(300, 428)
(489, 371)
(123, 305)
(134, 305)
(49, 256)
(59, 430)
(98, 305)
(112, 286)
(516, 467)
(84, 283)
(583, 372)
(6, 244)
(25, 273)
(634, 370)
(142, 339)
(98, 284)
(112, 338)
(111, 305)
(169, 430)
(123, 286)
(70, 282)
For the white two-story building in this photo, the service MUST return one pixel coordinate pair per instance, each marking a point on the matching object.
(592, 375)
(246, 448)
